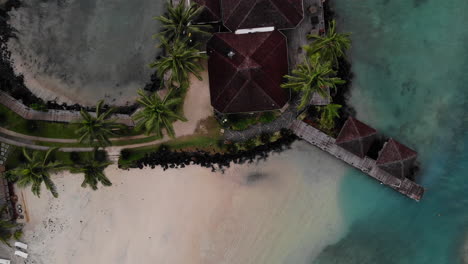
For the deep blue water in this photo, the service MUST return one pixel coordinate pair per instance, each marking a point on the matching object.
(410, 59)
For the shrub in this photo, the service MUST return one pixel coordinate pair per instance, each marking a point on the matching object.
(39, 107)
(31, 126)
(267, 117)
(100, 156)
(265, 138)
(3, 118)
(75, 157)
(125, 154)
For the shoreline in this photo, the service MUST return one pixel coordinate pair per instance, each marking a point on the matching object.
(249, 214)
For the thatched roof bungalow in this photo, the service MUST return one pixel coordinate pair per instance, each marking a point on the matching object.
(356, 137)
(396, 159)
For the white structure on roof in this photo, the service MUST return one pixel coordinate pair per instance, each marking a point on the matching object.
(254, 30)
(4, 261)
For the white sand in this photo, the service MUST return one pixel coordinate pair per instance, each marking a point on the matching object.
(192, 215)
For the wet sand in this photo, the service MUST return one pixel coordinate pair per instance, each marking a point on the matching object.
(97, 49)
(284, 210)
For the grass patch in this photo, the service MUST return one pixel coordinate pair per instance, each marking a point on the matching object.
(12, 121)
(244, 121)
(16, 158)
(190, 143)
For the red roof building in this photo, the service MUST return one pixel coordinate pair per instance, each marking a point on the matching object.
(211, 10)
(356, 137)
(396, 159)
(246, 71)
(242, 14)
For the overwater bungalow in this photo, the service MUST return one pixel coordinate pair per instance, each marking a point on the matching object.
(396, 159)
(356, 137)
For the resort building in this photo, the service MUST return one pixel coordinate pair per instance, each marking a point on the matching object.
(356, 137)
(396, 159)
(246, 71)
(246, 67)
(280, 14)
(211, 11)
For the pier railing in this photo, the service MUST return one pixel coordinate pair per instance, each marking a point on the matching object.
(64, 116)
(366, 164)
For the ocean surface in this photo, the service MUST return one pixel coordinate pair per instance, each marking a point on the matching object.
(410, 60)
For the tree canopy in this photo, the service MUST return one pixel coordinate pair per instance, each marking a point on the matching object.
(311, 76)
(157, 114)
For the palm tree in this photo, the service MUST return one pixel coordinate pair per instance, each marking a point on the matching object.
(6, 229)
(35, 171)
(331, 47)
(96, 130)
(328, 115)
(312, 76)
(93, 170)
(180, 61)
(178, 22)
(157, 114)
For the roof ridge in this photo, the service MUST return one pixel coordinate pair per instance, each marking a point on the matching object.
(273, 2)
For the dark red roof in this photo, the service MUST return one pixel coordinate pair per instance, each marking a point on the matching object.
(356, 137)
(281, 14)
(211, 11)
(249, 80)
(396, 158)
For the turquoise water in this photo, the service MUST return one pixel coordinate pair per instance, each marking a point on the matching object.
(410, 60)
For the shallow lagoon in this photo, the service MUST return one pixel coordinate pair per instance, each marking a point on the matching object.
(410, 63)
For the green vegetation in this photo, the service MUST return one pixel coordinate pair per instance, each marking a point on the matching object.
(180, 60)
(244, 121)
(12, 121)
(96, 130)
(93, 169)
(178, 22)
(313, 75)
(328, 115)
(35, 171)
(157, 114)
(7, 229)
(331, 47)
(205, 142)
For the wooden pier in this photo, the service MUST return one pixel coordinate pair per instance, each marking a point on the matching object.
(65, 116)
(366, 165)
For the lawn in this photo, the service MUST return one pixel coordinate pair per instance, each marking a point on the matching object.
(12, 121)
(15, 158)
(244, 121)
(190, 143)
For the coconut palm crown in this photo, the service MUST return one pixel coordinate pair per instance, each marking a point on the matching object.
(328, 115)
(35, 171)
(332, 46)
(179, 62)
(178, 22)
(157, 114)
(96, 130)
(93, 170)
(311, 76)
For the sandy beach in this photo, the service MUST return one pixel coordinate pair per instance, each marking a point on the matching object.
(273, 212)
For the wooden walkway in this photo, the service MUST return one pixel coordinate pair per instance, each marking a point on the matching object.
(64, 116)
(366, 165)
